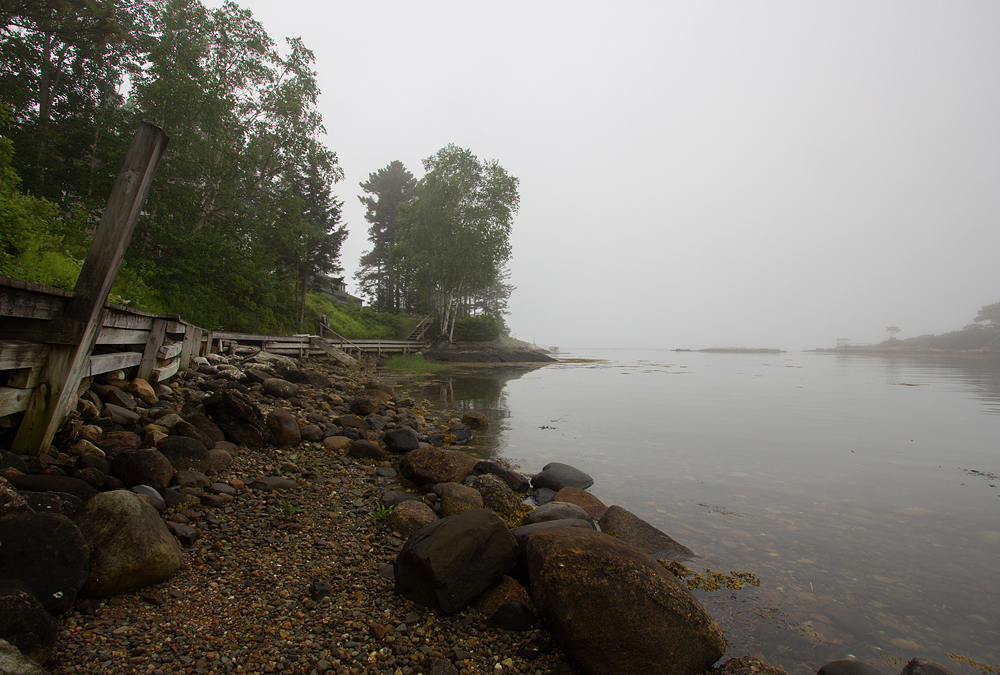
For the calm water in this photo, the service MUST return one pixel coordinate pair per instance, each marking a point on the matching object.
(863, 491)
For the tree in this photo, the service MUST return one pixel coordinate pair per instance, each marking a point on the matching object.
(454, 236)
(989, 316)
(386, 189)
(892, 331)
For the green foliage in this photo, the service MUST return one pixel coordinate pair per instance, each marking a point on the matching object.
(381, 512)
(412, 363)
(482, 328)
(989, 316)
(288, 510)
(351, 322)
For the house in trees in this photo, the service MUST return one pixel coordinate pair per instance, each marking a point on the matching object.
(336, 289)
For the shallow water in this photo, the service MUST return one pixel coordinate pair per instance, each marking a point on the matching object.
(863, 491)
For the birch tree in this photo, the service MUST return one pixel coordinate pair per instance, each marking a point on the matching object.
(455, 234)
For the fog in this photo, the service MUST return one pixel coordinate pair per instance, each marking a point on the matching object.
(693, 174)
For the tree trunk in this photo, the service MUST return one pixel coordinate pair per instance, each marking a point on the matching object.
(302, 302)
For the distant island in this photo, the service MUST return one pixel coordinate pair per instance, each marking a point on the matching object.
(733, 350)
(981, 337)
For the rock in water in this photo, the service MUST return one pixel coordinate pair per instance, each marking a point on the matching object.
(925, 667)
(556, 476)
(130, 546)
(446, 564)
(616, 611)
(629, 527)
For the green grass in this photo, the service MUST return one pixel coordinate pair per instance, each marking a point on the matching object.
(412, 363)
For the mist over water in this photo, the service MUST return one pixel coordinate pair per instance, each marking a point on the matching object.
(863, 491)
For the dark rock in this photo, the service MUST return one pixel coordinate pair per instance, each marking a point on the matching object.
(436, 666)
(48, 553)
(461, 432)
(447, 563)
(365, 450)
(400, 440)
(556, 476)
(186, 535)
(120, 415)
(52, 502)
(185, 428)
(513, 479)
(189, 478)
(630, 528)
(24, 623)
(239, 418)
(312, 433)
(319, 590)
(594, 507)
(40, 483)
(130, 546)
(118, 441)
(385, 472)
(748, 665)
(154, 497)
(8, 460)
(512, 616)
(543, 496)
(284, 428)
(352, 422)
(457, 498)
(555, 511)
(279, 388)
(93, 477)
(143, 467)
(363, 405)
(925, 667)
(12, 503)
(496, 495)
(208, 428)
(185, 453)
(396, 497)
(120, 398)
(14, 662)
(376, 422)
(615, 610)
(275, 483)
(433, 465)
(93, 462)
(475, 419)
(409, 516)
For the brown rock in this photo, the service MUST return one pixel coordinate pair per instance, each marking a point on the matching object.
(475, 419)
(434, 465)
(594, 507)
(456, 498)
(142, 390)
(336, 443)
(284, 428)
(409, 516)
(504, 591)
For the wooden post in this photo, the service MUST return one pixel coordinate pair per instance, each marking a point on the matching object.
(157, 334)
(84, 313)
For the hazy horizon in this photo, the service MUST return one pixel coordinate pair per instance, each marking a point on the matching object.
(693, 175)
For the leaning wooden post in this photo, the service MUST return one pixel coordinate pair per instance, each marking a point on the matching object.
(84, 313)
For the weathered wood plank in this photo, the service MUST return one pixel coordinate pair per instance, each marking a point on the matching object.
(18, 354)
(122, 336)
(66, 364)
(170, 351)
(116, 318)
(162, 373)
(105, 363)
(334, 353)
(31, 301)
(154, 340)
(13, 399)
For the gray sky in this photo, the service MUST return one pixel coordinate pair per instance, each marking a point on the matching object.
(693, 174)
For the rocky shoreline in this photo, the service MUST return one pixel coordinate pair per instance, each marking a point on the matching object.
(293, 510)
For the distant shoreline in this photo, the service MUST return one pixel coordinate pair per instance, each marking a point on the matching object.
(733, 350)
(905, 351)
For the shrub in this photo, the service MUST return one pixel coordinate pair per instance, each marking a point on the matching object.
(482, 328)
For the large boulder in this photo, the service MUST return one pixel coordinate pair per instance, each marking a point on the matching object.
(594, 507)
(284, 428)
(556, 476)
(185, 428)
(497, 496)
(47, 552)
(239, 418)
(185, 452)
(434, 465)
(555, 511)
(629, 527)
(279, 388)
(365, 450)
(143, 467)
(130, 547)
(446, 564)
(461, 432)
(24, 623)
(364, 405)
(616, 611)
